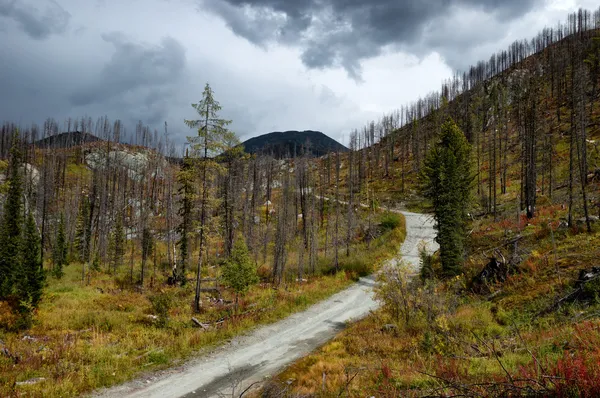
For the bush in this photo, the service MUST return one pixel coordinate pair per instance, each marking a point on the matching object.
(161, 304)
(390, 221)
(427, 271)
(358, 266)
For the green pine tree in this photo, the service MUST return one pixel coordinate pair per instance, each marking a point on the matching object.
(30, 278)
(447, 180)
(185, 177)
(10, 230)
(116, 244)
(147, 246)
(213, 138)
(82, 235)
(239, 271)
(59, 254)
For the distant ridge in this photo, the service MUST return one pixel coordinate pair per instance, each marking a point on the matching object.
(66, 140)
(289, 144)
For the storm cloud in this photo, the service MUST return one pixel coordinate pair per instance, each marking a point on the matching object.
(328, 65)
(38, 19)
(344, 32)
(145, 75)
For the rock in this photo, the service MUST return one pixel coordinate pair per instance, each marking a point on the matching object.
(35, 380)
(136, 163)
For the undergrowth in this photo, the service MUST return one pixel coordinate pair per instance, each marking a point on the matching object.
(89, 336)
(440, 338)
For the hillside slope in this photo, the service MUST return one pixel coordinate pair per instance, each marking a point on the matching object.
(522, 319)
(289, 144)
(66, 140)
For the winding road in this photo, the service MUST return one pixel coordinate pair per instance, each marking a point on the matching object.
(250, 358)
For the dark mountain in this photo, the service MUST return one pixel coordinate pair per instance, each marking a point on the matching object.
(293, 143)
(66, 140)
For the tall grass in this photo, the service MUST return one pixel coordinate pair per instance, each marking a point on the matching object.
(91, 336)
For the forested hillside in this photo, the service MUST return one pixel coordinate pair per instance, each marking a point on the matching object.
(114, 260)
(530, 113)
(518, 316)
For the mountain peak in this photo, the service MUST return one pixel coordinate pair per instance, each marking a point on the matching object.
(292, 143)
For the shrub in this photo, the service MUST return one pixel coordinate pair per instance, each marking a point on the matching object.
(161, 304)
(390, 221)
(357, 266)
(427, 271)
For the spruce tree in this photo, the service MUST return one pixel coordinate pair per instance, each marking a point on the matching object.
(116, 244)
(239, 271)
(447, 179)
(185, 177)
(213, 138)
(30, 275)
(82, 235)
(10, 230)
(59, 255)
(147, 246)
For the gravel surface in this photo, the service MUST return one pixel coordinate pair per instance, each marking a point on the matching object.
(265, 351)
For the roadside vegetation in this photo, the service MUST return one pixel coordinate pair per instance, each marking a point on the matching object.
(117, 261)
(514, 309)
(88, 336)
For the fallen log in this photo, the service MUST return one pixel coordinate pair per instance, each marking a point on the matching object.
(204, 326)
(586, 288)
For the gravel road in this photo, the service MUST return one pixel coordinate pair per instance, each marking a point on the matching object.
(252, 357)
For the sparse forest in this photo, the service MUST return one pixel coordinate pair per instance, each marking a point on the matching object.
(161, 255)
(118, 257)
(519, 316)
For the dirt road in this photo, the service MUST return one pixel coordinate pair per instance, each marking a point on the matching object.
(251, 358)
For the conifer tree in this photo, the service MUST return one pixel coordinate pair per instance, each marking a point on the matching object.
(59, 255)
(116, 244)
(447, 179)
(213, 138)
(10, 232)
(239, 271)
(185, 177)
(30, 275)
(147, 246)
(82, 232)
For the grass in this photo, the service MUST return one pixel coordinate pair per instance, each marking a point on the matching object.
(90, 336)
(488, 343)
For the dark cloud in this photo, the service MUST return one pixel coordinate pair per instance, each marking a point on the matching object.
(344, 32)
(134, 66)
(138, 78)
(38, 19)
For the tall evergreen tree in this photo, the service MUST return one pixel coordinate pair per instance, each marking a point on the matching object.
(10, 232)
(82, 231)
(213, 138)
(59, 254)
(30, 276)
(447, 179)
(147, 247)
(116, 244)
(187, 194)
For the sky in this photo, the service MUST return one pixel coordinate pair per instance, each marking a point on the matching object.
(274, 65)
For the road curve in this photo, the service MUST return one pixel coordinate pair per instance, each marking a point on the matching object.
(250, 358)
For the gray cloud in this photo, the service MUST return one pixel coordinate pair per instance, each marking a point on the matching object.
(134, 66)
(38, 19)
(155, 69)
(334, 33)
